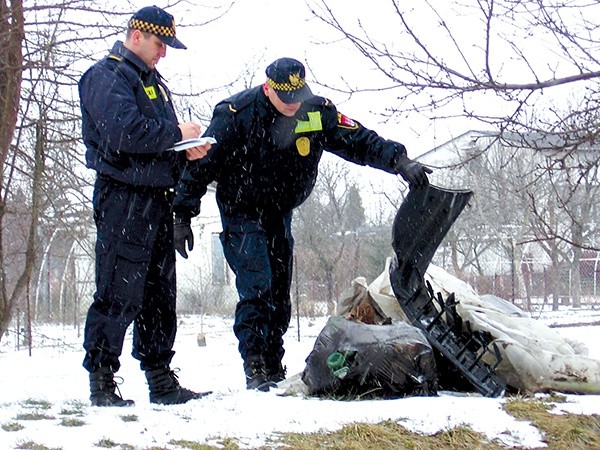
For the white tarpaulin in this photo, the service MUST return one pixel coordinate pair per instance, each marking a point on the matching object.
(535, 358)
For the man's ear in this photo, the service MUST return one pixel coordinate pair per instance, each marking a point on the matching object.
(136, 36)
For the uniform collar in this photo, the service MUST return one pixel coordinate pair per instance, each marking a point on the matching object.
(121, 50)
(269, 111)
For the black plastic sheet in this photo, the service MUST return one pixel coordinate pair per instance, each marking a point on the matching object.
(377, 361)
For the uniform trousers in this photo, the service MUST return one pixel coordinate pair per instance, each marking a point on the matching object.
(135, 276)
(259, 250)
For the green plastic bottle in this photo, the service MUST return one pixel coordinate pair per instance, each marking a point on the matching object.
(338, 363)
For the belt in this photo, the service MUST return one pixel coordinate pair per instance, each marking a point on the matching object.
(163, 191)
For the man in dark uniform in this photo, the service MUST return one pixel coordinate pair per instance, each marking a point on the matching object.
(269, 142)
(129, 126)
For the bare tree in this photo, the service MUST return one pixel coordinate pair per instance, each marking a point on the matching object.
(11, 61)
(327, 228)
(528, 203)
(44, 201)
(529, 72)
(518, 66)
(566, 214)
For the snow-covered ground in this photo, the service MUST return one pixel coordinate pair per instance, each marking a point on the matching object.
(53, 373)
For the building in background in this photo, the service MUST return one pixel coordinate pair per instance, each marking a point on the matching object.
(532, 228)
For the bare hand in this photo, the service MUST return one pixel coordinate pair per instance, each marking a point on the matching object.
(189, 130)
(197, 152)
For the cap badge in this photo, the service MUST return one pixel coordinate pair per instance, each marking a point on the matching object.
(295, 79)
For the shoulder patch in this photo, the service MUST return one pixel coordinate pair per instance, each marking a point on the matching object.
(346, 122)
(241, 100)
(238, 105)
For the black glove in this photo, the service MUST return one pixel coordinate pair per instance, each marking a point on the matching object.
(183, 235)
(414, 173)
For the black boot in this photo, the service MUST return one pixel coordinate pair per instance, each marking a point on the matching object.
(102, 388)
(165, 388)
(256, 376)
(275, 371)
(275, 351)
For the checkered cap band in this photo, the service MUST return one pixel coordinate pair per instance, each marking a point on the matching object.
(159, 30)
(298, 84)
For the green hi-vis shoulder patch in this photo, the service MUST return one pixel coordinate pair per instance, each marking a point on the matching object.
(151, 92)
(312, 124)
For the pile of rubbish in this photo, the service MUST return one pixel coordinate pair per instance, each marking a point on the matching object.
(417, 329)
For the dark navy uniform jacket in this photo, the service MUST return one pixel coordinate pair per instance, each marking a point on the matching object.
(264, 161)
(121, 143)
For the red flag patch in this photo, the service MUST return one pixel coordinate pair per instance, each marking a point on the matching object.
(346, 122)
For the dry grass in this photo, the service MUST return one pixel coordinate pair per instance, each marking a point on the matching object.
(562, 431)
(386, 435)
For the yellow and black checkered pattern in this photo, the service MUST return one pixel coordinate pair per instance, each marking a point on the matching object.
(295, 83)
(159, 30)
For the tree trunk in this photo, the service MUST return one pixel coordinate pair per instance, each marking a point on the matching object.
(576, 266)
(555, 290)
(576, 279)
(12, 35)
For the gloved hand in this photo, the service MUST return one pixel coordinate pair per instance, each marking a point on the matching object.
(414, 173)
(183, 235)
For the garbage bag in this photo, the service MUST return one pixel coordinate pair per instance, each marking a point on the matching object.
(352, 359)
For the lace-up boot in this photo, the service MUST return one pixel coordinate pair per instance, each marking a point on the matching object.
(165, 388)
(275, 371)
(103, 387)
(256, 375)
